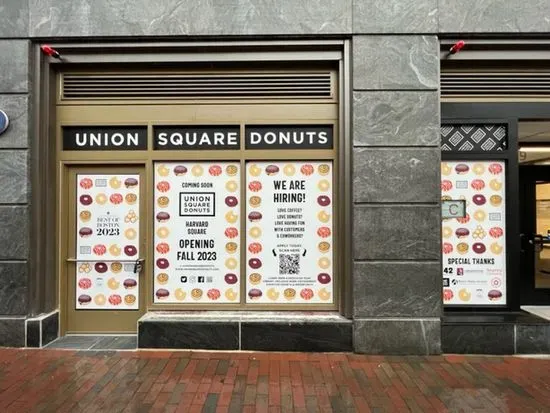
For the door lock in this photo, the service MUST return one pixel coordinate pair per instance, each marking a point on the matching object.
(138, 266)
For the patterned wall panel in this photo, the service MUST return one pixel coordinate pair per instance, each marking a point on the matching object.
(473, 138)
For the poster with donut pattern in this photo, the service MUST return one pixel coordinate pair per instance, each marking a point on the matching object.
(289, 233)
(107, 236)
(106, 286)
(197, 233)
(473, 247)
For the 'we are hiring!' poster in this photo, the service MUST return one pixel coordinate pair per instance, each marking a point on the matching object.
(289, 232)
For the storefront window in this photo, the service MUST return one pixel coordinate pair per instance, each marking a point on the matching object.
(474, 258)
(107, 242)
(248, 231)
(289, 232)
(197, 228)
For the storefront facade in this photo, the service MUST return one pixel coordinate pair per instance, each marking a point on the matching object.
(269, 181)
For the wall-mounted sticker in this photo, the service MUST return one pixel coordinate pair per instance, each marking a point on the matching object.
(289, 137)
(197, 232)
(101, 138)
(197, 137)
(289, 240)
(107, 241)
(453, 209)
(473, 246)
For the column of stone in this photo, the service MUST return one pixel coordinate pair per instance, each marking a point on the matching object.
(14, 174)
(396, 276)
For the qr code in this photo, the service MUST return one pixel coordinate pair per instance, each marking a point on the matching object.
(289, 264)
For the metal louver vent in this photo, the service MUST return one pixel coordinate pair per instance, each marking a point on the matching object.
(496, 84)
(222, 86)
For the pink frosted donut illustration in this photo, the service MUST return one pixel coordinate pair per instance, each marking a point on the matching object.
(447, 294)
(255, 186)
(464, 220)
(477, 184)
(115, 299)
(116, 199)
(99, 249)
(324, 232)
(255, 248)
(86, 183)
(447, 248)
(163, 186)
(495, 168)
(496, 232)
(163, 248)
(446, 185)
(215, 170)
(84, 283)
(231, 232)
(307, 169)
(306, 293)
(213, 294)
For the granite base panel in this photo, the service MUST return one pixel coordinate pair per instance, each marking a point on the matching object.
(232, 333)
(42, 330)
(533, 339)
(465, 338)
(188, 335)
(50, 328)
(403, 337)
(33, 333)
(12, 332)
(495, 333)
(304, 337)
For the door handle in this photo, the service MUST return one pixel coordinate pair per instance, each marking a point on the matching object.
(122, 261)
(138, 264)
(537, 241)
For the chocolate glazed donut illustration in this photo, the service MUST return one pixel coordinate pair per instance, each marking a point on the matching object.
(323, 200)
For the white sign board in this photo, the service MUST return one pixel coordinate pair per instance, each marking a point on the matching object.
(107, 239)
(289, 233)
(197, 232)
(473, 246)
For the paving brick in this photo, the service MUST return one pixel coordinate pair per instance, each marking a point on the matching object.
(39, 381)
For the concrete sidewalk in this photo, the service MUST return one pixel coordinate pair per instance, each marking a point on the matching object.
(167, 381)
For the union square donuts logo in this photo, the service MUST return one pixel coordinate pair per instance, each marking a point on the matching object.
(107, 235)
(197, 232)
(289, 232)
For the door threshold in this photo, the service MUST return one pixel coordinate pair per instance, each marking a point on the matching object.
(95, 342)
(542, 311)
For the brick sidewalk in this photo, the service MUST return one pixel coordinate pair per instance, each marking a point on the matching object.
(164, 381)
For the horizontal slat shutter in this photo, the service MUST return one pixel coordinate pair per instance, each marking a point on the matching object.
(224, 86)
(489, 83)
